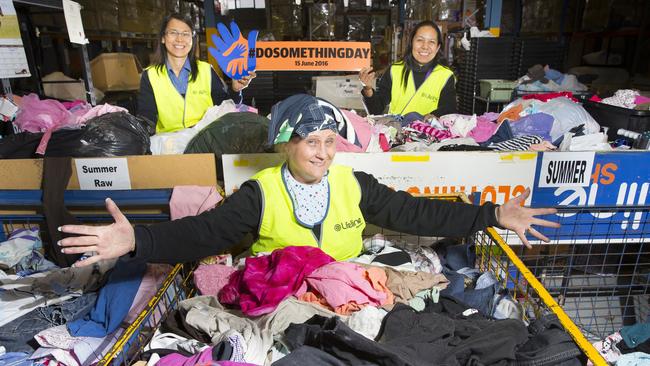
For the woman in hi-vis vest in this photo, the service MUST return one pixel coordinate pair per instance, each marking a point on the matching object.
(177, 89)
(304, 201)
(418, 83)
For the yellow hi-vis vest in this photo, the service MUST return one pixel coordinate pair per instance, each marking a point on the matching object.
(341, 230)
(425, 99)
(174, 111)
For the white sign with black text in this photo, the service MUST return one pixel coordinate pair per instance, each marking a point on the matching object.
(566, 169)
(103, 174)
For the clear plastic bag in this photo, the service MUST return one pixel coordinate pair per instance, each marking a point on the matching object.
(568, 115)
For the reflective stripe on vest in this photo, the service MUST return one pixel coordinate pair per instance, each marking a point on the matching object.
(425, 99)
(174, 111)
(341, 230)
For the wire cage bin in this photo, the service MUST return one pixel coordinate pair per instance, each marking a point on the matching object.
(23, 210)
(127, 349)
(493, 254)
(597, 267)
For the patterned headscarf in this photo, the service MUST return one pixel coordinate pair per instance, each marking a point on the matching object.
(303, 114)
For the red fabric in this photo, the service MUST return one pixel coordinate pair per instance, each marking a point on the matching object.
(383, 142)
(545, 97)
(266, 281)
(595, 98)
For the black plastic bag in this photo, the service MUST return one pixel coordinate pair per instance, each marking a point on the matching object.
(116, 134)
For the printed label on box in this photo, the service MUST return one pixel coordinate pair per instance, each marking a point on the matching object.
(103, 174)
(571, 169)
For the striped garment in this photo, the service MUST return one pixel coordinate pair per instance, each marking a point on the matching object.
(429, 130)
(521, 143)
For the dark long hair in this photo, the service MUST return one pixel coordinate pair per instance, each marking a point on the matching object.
(160, 57)
(408, 54)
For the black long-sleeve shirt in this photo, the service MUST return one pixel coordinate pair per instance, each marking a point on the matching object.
(147, 101)
(217, 230)
(381, 97)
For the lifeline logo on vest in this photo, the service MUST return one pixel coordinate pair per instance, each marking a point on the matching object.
(431, 97)
(351, 224)
(566, 169)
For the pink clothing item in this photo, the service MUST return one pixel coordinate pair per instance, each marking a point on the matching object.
(192, 200)
(362, 128)
(49, 115)
(489, 116)
(595, 98)
(641, 99)
(176, 359)
(57, 343)
(343, 145)
(345, 283)
(246, 108)
(429, 130)
(153, 278)
(267, 280)
(100, 110)
(545, 97)
(484, 129)
(45, 116)
(70, 105)
(211, 278)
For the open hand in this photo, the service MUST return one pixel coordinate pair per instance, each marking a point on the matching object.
(367, 77)
(106, 242)
(513, 216)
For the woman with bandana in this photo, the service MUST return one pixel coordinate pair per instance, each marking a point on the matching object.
(304, 201)
(418, 83)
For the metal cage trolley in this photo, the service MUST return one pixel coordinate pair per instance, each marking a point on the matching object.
(20, 209)
(493, 255)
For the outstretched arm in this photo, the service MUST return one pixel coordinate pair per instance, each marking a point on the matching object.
(399, 211)
(182, 240)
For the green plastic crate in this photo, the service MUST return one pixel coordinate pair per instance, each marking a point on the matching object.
(497, 90)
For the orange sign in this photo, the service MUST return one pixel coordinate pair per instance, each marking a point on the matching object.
(312, 56)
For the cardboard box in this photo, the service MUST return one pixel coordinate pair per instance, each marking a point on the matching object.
(116, 72)
(145, 172)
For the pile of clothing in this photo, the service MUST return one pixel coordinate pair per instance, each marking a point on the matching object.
(54, 314)
(536, 122)
(542, 78)
(626, 98)
(397, 304)
(629, 346)
(48, 127)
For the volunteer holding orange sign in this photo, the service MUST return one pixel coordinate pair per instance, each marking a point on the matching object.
(418, 83)
(177, 89)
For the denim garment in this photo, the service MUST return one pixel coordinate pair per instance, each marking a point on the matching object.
(480, 299)
(15, 359)
(16, 335)
(634, 335)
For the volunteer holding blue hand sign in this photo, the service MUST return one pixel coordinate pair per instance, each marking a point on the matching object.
(177, 89)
